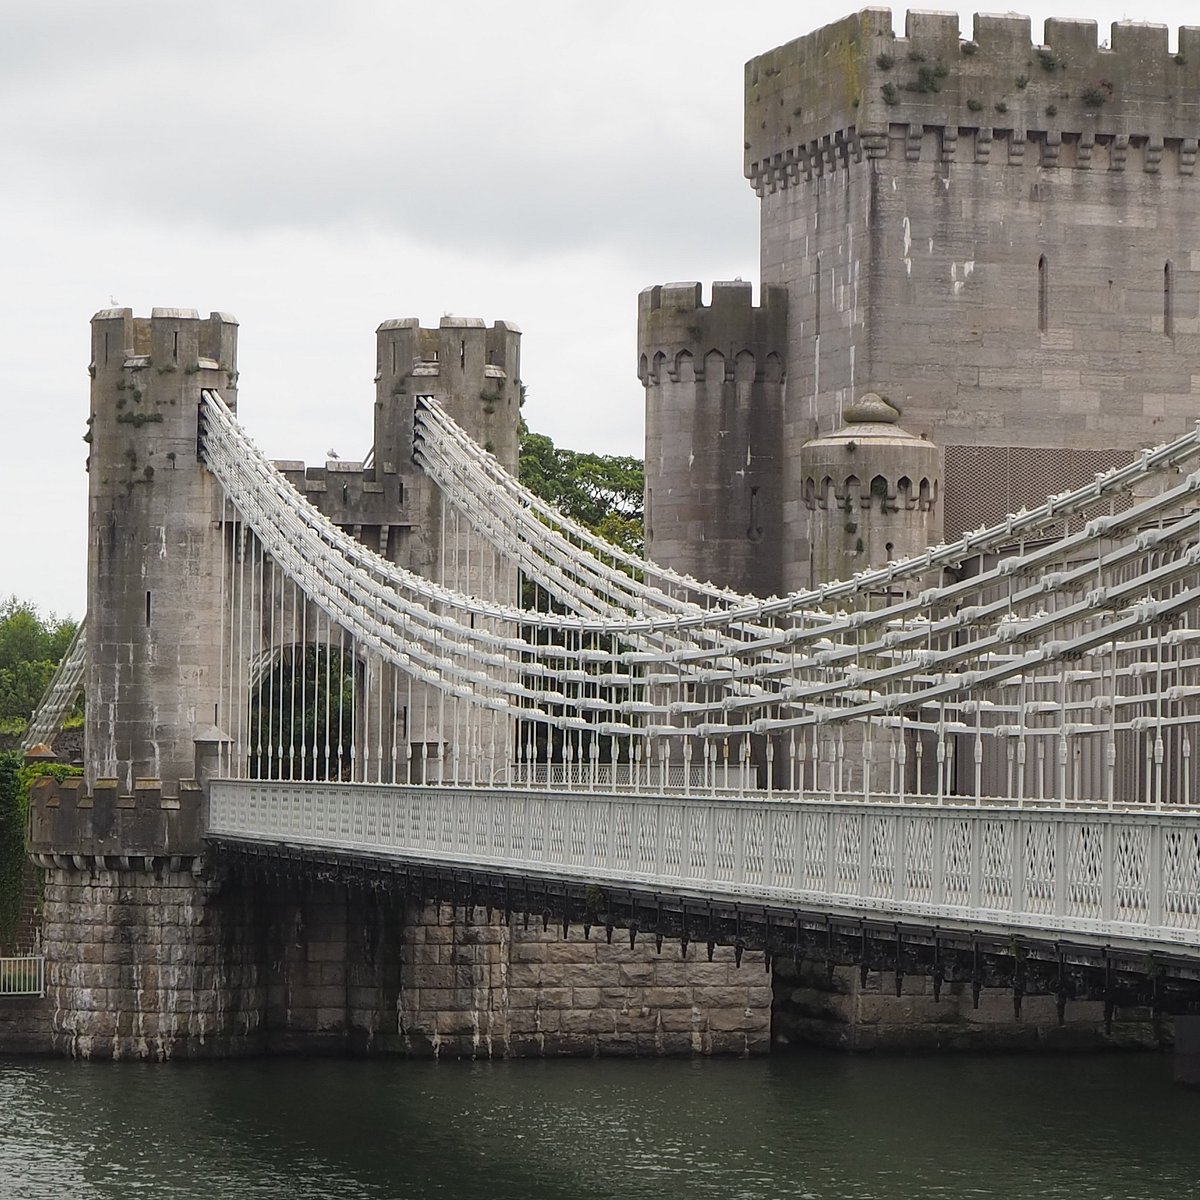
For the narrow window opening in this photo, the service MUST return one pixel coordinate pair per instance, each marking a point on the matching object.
(393, 358)
(175, 345)
(1043, 303)
(106, 349)
(216, 718)
(1168, 301)
(754, 533)
(817, 327)
(147, 610)
(462, 354)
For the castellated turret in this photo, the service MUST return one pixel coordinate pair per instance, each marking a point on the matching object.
(472, 368)
(871, 492)
(155, 553)
(474, 371)
(997, 233)
(714, 380)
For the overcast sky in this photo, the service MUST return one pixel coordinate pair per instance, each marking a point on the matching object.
(317, 167)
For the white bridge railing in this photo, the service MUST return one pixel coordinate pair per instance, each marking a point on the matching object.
(23, 975)
(1127, 878)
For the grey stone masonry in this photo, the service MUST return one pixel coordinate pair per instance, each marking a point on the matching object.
(156, 547)
(997, 236)
(714, 380)
(847, 1012)
(490, 989)
(140, 965)
(994, 235)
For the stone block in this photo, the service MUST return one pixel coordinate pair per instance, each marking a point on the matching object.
(637, 1021)
(326, 951)
(720, 997)
(601, 1020)
(675, 1044)
(523, 997)
(742, 1020)
(453, 1023)
(575, 1020)
(668, 997)
(675, 973)
(680, 1020)
(617, 1045)
(636, 974)
(721, 1042)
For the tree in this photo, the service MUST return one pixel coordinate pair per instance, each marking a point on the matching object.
(30, 648)
(604, 492)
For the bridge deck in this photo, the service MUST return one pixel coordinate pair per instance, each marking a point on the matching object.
(1126, 878)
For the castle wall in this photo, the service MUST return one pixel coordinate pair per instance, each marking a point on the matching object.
(994, 235)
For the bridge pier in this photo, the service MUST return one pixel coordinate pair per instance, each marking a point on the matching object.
(161, 947)
(844, 1011)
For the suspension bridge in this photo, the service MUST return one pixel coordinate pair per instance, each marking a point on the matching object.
(1008, 752)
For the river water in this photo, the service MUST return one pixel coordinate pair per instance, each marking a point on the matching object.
(809, 1125)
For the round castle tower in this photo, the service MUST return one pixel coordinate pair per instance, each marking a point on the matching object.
(714, 381)
(870, 492)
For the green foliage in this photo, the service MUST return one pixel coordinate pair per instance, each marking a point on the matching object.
(929, 79)
(296, 713)
(30, 649)
(601, 491)
(12, 843)
(15, 781)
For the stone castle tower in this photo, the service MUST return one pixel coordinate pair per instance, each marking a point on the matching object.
(996, 236)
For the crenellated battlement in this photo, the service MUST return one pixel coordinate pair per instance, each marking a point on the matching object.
(169, 339)
(855, 90)
(680, 336)
(148, 821)
(473, 368)
(458, 344)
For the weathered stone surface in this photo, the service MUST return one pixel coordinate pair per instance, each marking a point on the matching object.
(846, 1013)
(538, 993)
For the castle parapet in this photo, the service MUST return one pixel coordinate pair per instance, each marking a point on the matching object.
(69, 822)
(474, 369)
(681, 339)
(852, 89)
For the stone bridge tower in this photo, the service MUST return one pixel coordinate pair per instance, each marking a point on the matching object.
(147, 956)
(155, 553)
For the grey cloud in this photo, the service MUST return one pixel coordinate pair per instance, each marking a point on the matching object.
(512, 135)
